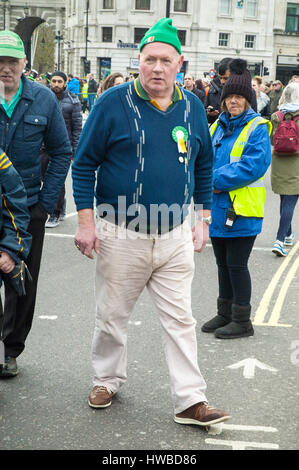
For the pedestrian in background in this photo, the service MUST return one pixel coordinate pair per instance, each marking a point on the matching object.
(92, 91)
(242, 152)
(113, 79)
(263, 101)
(275, 95)
(37, 119)
(71, 111)
(84, 95)
(73, 84)
(285, 170)
(189, 84)
(213, 99)
(15, 241)
(164, 121)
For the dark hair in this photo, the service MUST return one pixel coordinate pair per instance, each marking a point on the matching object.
(224, 65)
(109, 81)
(70, 75)
(198, 84)
(59, 74)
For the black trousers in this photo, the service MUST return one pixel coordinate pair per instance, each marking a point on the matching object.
(232, 255)
(60, 206)
(18, 311)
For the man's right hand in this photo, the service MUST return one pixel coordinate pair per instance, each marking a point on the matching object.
(85, 238)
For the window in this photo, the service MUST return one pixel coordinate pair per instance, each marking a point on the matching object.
(292, 23)
(250, 41)
(223, 40)
(107, 34)
(138, 34)
(142, 4)
(225, 7)
(182, 36)
(180, 5)
(108, 4)
(251, 9)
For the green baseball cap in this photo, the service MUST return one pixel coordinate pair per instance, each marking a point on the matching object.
(11, 45)
(162, 31)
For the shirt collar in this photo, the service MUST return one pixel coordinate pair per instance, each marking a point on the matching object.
(9, 107)
(177, 95)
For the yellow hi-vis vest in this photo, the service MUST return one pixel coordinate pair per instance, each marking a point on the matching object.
(85, 91)
(248, 201)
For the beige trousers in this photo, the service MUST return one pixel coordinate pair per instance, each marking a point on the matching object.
(165, 265)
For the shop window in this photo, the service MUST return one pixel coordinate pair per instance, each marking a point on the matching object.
(250, 41)
(180, 5)
(107, 34)
(138, 34)
(142, 4)
(223, 39)
(292, 23)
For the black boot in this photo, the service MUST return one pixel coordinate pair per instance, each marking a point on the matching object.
(240, 326)
(223, 317)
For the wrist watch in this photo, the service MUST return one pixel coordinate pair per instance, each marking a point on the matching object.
(207, 220)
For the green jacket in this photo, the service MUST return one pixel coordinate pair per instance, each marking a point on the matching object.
(284, 168)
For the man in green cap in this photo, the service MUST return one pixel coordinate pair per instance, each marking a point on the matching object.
(149, 141)
(29, 117)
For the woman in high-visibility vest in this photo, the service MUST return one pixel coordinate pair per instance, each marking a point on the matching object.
(84, 95)
(242, 154)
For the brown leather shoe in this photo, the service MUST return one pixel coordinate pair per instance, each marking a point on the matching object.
(100, 397)
(201, 414)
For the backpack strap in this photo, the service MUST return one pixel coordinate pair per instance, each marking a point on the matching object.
(280, 115)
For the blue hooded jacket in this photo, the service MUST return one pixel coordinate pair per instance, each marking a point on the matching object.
(74, 86)
(228, 176)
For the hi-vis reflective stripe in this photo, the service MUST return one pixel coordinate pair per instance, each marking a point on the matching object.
(14, 225)
(245, 134)
(4, 161)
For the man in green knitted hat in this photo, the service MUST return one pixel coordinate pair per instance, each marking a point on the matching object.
(155, 148)
(160, 60)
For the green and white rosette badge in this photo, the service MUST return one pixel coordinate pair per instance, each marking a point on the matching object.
(180, 136)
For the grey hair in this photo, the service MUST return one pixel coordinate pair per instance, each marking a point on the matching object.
(290, 94)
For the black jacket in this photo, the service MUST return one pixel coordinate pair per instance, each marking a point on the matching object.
(71, 110)
(214, 98)
(92, 86)
(200, 94)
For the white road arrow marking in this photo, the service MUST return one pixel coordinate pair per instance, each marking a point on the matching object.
(48, 317)
(249, 367)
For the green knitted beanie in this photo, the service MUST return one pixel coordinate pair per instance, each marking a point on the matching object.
(162, 31)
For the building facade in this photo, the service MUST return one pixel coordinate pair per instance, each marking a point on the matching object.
(286, 39)
(223, 28)
(24, 17)
(107, 33)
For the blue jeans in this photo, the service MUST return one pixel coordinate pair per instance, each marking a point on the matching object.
(91, 98)
(287, 207)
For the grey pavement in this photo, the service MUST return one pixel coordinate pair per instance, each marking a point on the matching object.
(45, 406)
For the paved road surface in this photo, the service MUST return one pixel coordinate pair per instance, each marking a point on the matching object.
(45, 406)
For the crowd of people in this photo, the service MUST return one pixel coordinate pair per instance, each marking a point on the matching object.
(161, 144)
